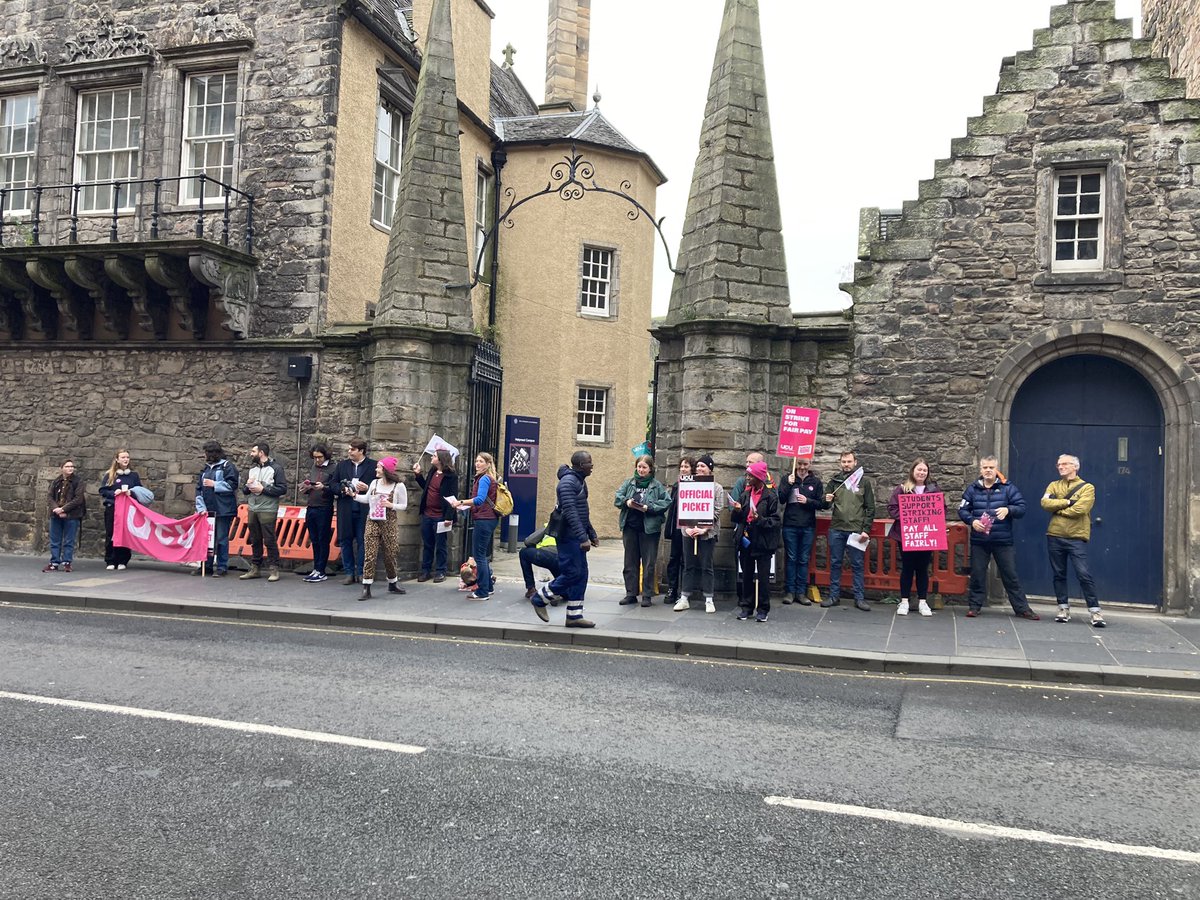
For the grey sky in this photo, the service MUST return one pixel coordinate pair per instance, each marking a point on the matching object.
(864, 96)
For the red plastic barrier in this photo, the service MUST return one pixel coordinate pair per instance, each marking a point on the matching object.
(951, 567)
(289, 532)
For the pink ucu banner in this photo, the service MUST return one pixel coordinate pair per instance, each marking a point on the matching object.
(171, 540)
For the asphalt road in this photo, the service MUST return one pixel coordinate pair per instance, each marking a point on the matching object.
(560, 772)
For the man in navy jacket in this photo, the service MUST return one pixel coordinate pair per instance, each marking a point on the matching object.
(576, 537)
(989, 506)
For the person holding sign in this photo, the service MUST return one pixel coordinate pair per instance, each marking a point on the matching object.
(384, 499)
(914, 564)
(675, 536)
(757, 521)
(699, 519)
(119, 478)
(989, 506)
(802, 497)
(852, 499)
(643, 501)
(438, 491)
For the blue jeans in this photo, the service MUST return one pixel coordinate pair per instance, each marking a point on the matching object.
(433, 546)
(797, 545)
(62, 539)
(221, 526)
(573, 571)
(484, 530)
(318, 522)
(352, 529)
(837, 549)
(1074, 549)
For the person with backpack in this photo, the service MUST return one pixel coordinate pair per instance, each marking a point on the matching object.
(485, 516)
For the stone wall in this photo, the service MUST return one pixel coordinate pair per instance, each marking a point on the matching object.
(1174, 28)
(161, 405)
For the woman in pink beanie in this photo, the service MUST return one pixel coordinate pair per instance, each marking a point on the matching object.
(384, 498)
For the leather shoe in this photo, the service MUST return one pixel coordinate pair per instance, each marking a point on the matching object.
(646, 601)
(863, 605)
(438, 579)
(830, 601)
(542, 614)
(803, 600)
(580, 623)
(628, 601)
(394, 588)
(349, 579)
(1030, 615)
(424, 576)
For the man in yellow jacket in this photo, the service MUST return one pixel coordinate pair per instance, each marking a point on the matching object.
(1069, 502)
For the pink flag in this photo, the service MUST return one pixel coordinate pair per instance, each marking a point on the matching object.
(171, 540)
(851, 483)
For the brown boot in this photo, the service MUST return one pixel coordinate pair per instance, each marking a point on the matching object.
(580, 623)
(274, 576)
(253, 573)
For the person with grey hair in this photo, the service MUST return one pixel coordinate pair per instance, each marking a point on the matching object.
(1069, 502)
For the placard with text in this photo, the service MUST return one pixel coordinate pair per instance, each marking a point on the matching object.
(696, 501)
(923, 521)
(798, 432)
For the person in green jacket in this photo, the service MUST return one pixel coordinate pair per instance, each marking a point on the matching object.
(643, 501)
(852, 499)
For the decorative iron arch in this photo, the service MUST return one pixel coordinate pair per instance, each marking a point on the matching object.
(571, 178)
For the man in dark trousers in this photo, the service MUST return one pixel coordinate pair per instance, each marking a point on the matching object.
(576, 537)
(353, 476)
(989, 506)
(216, 495)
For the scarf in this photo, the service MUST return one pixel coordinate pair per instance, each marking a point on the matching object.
(643, 483)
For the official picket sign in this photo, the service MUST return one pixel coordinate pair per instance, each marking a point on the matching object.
(923, 521)
(798, 432)
(696, 503)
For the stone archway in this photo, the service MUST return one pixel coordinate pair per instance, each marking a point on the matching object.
(1178, 390)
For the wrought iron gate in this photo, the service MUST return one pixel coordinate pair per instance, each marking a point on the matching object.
(483, 421)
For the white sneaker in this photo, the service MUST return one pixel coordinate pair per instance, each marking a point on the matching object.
(111, 568)
(121, 567)
(902, 609)
(923, 608)
(682, 605)
(1064, 614)
(709, 606)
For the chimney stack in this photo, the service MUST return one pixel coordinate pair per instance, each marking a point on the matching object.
(567, 53)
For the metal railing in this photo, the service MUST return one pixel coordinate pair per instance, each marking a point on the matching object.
(232, 206)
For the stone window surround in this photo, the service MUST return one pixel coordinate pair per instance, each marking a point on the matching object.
(607, 439)
(395, 89)
(614, 283)
(384, 103)
(1100, 217)
(1051, 160)
(1178, 390)
(483, 170)
(130, 198)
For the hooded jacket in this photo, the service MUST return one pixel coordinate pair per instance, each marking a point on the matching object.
(220, 500)
(1070, 516)
(270, 475)
(576, 523)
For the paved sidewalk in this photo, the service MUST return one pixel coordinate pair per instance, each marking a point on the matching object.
(1137, 649)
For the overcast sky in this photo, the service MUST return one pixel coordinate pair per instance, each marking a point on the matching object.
(864, 96)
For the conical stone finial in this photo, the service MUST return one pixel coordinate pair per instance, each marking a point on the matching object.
(731, 251)
(427, 248)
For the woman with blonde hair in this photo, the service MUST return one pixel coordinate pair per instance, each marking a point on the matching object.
(482, 506)
(914, 564)
(119, 479)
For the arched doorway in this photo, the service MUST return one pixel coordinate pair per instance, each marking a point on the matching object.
(1107, 414)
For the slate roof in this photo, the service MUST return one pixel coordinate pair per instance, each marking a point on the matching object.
(509, 97)
(588, 127)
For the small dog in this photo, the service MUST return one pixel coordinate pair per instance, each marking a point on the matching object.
(468, 575)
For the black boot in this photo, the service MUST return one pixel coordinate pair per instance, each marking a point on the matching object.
(394, 588)
(366, 593)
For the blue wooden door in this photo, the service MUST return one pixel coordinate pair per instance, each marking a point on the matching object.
(1108, 415)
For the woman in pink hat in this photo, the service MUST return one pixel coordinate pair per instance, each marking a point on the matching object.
(385, 497)
(758, 527)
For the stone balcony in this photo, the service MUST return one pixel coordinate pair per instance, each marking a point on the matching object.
(148, 270)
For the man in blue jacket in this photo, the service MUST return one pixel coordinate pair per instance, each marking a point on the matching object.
(576, 537)
(989, 506)
(216, 494)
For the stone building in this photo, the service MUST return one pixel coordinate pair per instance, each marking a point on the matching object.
(164, 310)
(1041, 295)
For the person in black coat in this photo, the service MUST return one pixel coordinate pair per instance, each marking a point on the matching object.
(757, 527)
(438, 491)
(671, 532)
(119, 479)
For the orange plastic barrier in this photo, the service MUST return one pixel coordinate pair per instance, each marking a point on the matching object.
(289, 532)
(881, 572)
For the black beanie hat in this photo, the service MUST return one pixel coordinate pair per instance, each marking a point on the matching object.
(707, 460)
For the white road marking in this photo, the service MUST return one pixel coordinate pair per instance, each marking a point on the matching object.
(981, 829)
(322, 737)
